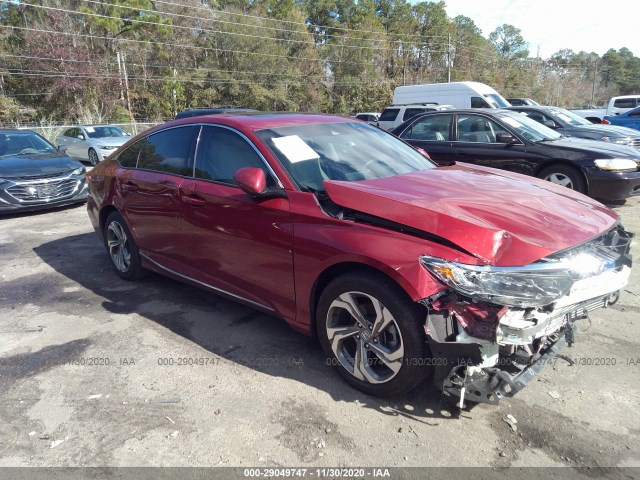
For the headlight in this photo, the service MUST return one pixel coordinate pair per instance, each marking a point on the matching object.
(618, 140)
(106, 147)
(79, 171)
(534, 285)
(616, 164)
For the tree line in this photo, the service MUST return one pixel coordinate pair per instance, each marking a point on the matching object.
(119, 60)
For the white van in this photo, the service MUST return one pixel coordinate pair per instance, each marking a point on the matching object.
(458, 94)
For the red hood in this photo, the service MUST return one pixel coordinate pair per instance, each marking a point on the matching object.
(502, 218)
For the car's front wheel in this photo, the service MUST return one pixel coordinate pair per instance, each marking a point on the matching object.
(123, 251)
(93, 157)
(373, 334)
(564, 175)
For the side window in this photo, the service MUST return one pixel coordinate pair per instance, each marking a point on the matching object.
(129, 157)
(68, 133)
(431, 128)
(477, 129)
(479, 102)
(169, 151)
(537, 116)
(412, 112)
(635, 114)
(389, 115)
(625, 103)
(221, 152)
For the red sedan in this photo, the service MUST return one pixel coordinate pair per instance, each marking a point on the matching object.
(404, 270)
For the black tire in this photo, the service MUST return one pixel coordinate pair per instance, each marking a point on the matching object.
(404, 335)
(565, 172)
(125, 257)
(93, 157)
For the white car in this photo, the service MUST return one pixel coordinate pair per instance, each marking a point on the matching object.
(92, 143)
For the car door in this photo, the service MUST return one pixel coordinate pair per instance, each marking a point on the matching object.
(236, 243)
(432, 133)
(70, 139)
(151, 192)
(476, 143)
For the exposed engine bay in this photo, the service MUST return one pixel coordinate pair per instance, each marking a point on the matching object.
(485, 351)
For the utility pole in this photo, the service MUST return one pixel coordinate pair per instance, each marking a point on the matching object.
(593, 88)
(448, 58)
(174, 94)
(123, 74)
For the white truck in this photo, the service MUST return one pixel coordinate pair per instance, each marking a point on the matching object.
(616, 106)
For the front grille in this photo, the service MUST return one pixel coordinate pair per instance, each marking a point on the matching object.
(44, 191)
(40, 176)
(635, 142)
(582, 310)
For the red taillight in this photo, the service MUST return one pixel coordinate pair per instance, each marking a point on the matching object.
(605, 122)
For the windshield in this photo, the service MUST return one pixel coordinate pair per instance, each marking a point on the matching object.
(496, 100)
(569, 117)
(349, 152)
(106, 131)
(528, 128)
(23, 143)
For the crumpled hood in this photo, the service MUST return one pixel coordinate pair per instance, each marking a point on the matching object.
(36, 165)
(502, 218)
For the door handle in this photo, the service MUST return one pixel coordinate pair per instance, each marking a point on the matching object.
(129, 187)
(193, 201)
(169, 183)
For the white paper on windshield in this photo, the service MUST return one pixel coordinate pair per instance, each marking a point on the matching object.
(294, 148)
(90, 129)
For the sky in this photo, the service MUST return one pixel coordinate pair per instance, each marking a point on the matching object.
(551, 25)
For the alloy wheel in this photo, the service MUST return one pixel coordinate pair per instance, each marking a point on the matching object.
(365, 337)
(560, 179)
(93, 157)
(118, 245)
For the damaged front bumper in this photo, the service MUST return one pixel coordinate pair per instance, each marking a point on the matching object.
(483, 352)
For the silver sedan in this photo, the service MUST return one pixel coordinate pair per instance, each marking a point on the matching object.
(92, 143)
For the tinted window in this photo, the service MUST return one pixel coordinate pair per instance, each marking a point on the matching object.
(625, 103)
(389, 115)
(222, 152)
(429, 128)
(169, 151)
(479, 102)
(69, 133)
(129, 157)
(474, 128)
(412, 112)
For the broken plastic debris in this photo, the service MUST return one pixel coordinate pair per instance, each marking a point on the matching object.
(553, 394)
(174, 434)
(91, 397)
(31, 434)
(171, 399)
(511, 421)
(170, 420)
(55, 443)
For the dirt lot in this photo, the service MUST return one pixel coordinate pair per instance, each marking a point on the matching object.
(95, 371)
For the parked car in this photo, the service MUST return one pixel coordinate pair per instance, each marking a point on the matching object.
(511, 141)
(615, 106)
(92, 143)
(517, 102)
(394, 115)
(35, 175)
(196, 112)
(457, 94)
(568, 123)
(371, 117)
(403, 270)
(630, 119)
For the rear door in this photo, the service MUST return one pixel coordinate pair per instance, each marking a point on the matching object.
(151, 193)
(433, 134)
(236, 243)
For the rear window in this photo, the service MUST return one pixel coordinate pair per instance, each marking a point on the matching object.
(129, 157)
(168, 151)
(389, 114)
(479, 102)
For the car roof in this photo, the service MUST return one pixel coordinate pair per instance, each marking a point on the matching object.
(260, 120)
(17, 130)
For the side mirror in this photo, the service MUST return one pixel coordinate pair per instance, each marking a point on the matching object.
(506, 138)
(81, 137)
(62, 148)
(550, 124)
(251, 180)
(423, 152)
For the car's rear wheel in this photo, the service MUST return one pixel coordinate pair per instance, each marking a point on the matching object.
(93, 157)
(123, 251)
(564, 175)
(373, 334)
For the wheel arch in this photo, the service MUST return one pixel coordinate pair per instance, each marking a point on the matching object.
(104, 214)
(566, 163)
(336, 270)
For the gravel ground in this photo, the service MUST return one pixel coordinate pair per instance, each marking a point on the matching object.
(95, 371)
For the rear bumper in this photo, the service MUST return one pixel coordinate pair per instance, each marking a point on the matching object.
(612, 185)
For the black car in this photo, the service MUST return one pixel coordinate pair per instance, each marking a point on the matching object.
(196, 112)
(34, 174)
(568, 123)
(506, 139)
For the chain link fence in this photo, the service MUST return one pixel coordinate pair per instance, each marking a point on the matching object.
(51, 131)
